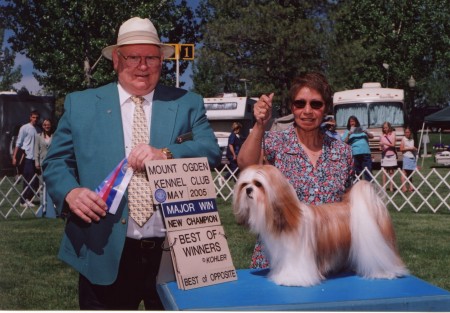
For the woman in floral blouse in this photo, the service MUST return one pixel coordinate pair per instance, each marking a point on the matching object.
(319, 167)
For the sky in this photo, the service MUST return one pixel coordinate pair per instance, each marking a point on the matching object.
(28, 79)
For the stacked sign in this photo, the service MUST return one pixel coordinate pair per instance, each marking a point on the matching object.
(184, 191)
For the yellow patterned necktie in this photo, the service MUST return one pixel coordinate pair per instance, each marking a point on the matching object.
(140, 199)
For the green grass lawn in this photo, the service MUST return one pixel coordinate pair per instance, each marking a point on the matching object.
(32, 278)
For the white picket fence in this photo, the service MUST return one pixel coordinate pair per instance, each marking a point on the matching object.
(11, 191)
(431, 191)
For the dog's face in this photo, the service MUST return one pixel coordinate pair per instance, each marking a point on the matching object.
(265, 201)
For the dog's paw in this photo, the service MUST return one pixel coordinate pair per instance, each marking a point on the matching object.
(386, 274)
(290, 279)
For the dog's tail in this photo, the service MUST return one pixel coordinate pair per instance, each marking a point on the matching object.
(373, 252)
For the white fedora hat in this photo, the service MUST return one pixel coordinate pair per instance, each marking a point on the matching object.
(138, 31)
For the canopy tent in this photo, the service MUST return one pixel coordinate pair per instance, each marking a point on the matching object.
(439, 119)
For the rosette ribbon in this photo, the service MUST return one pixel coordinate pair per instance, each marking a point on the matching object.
(113, 187)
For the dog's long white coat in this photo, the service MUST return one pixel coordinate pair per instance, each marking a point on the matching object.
(293, 260)
(370, 254)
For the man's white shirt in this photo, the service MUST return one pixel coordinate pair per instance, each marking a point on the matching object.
(154, 227)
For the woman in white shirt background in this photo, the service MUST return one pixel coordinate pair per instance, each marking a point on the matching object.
(42, 142)
(409, 159)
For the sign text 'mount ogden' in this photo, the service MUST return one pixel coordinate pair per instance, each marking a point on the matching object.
(157, 169)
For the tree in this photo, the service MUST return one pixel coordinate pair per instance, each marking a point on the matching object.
(64, 38)
(266, 42)
(8, 75)
(270, 42)
(437, 89)
(412, 36)
(23, 91)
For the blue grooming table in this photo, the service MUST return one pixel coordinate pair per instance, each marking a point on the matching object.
(346, 292)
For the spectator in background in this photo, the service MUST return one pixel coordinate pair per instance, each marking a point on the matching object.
(409, 152)
(25, 141)
(329, 127)
(358, 139)
(41, 145)
(234, 145)
(388, 153)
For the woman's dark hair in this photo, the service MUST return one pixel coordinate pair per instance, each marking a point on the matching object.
(313, 80)
(352, 118)
(409, 128)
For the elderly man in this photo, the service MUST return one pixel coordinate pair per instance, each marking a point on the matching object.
(118, 255)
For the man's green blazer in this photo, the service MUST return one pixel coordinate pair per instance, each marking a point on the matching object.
(88, 144)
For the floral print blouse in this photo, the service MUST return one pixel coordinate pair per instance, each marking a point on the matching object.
(324, 183)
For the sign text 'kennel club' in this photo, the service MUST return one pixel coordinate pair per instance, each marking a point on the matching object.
(184, 190)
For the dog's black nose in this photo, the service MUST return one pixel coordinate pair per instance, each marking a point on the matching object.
(249, 191)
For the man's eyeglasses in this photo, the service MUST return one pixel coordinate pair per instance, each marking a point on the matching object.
(301, 104)
(135, 60)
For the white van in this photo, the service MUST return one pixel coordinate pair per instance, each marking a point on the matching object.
(225, 109)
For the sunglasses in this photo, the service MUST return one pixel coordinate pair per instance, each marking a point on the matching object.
(301, 104)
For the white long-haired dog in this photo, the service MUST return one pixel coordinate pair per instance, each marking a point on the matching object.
(305, 243)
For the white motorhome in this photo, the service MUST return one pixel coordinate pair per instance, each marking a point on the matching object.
(373, 106)
(225, 109)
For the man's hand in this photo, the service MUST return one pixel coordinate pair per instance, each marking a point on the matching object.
(141, 153)
(86, 204)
